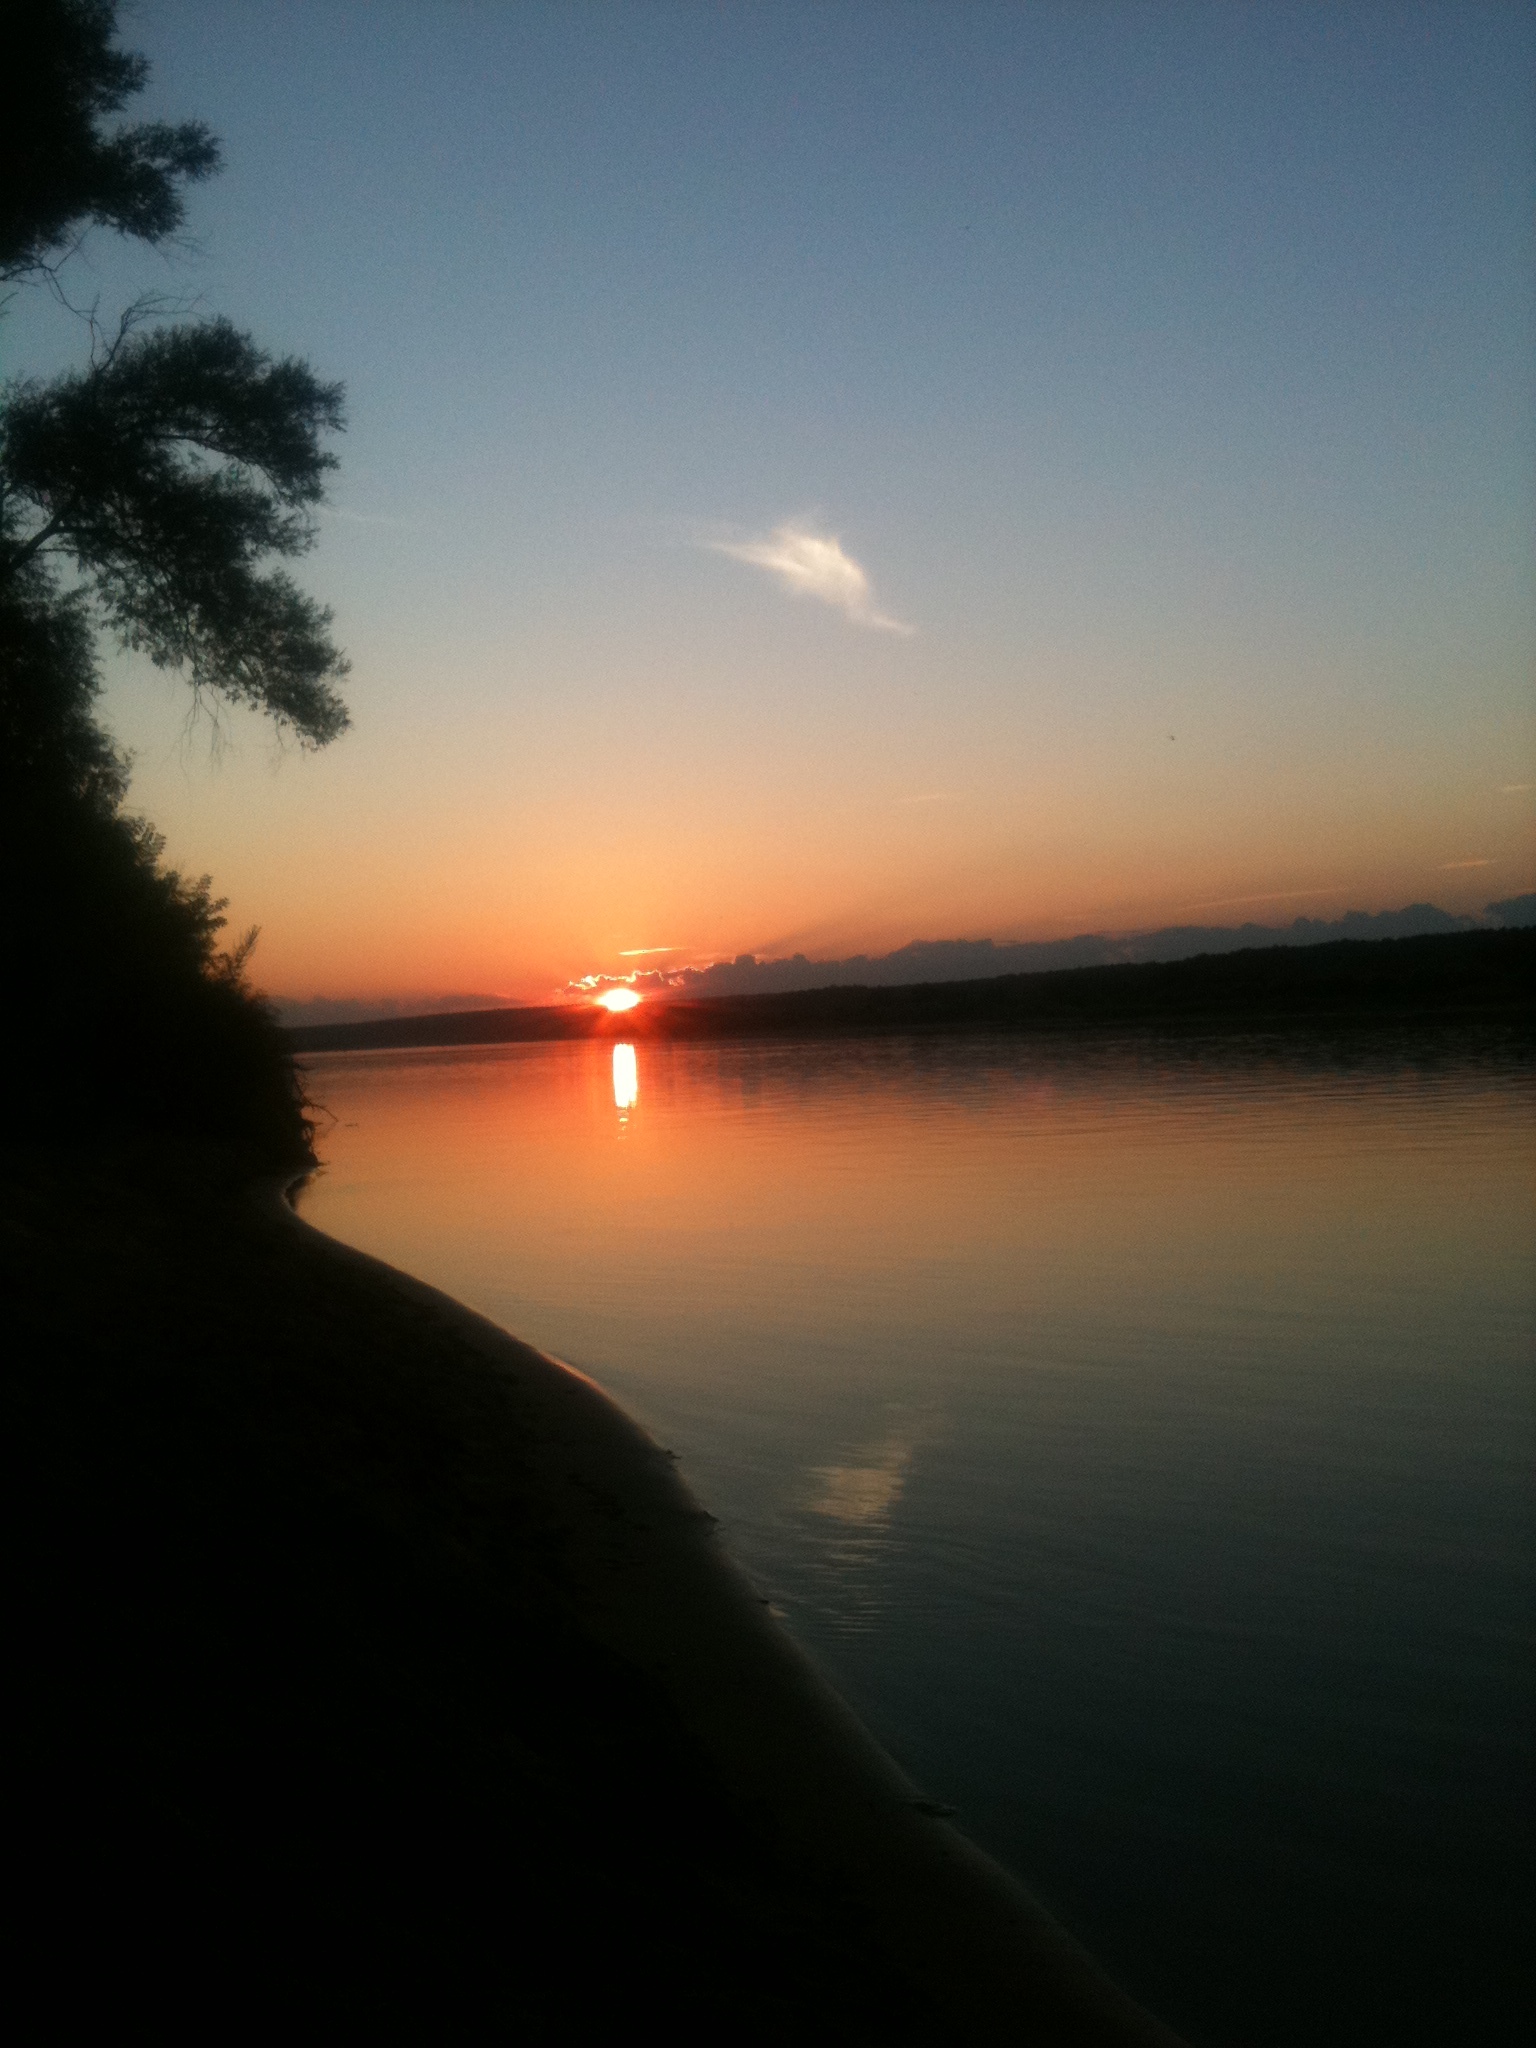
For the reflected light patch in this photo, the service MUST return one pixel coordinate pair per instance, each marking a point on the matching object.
(618, 999)
(626, 1077)
(863, 1495)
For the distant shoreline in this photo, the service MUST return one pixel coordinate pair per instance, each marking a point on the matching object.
(1443, 977)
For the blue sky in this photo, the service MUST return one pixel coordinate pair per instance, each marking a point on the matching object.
(1166, 369)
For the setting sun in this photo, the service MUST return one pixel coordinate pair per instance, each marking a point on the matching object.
(618, 999)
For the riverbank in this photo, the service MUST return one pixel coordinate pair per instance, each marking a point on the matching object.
(373, 1659)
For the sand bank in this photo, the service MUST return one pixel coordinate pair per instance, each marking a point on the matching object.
(650, 1582)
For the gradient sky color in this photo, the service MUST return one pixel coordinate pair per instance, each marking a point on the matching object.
(1161, 373)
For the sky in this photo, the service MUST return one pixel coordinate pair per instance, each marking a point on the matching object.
(820, 477)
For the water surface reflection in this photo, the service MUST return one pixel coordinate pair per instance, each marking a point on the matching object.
(1139, 1434)
(626, 1081)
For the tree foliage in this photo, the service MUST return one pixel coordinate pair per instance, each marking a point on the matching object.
(121, 1007)
(172, 469)
(169, 470)
(154, 490)
(63, 175)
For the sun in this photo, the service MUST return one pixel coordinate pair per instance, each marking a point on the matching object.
(617, 999)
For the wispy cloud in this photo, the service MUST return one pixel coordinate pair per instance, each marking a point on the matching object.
(1450, 866)
(814, 565)
(1517, 788)
(1274, 896)
(349, 518)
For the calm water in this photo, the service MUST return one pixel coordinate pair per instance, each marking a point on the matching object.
(1140, 1438)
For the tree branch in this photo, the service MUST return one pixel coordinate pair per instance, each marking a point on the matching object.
(22, 555)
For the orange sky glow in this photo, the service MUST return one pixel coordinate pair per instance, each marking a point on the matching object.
(1113, 512)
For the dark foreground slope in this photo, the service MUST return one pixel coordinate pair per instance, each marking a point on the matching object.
(307, 1711)
(353, 1644)
(1463, 974)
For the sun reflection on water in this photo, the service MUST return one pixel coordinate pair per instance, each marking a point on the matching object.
(626, 1081)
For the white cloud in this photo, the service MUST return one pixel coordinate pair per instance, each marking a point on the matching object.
(815, 565)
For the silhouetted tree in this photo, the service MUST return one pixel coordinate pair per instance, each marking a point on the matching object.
(172, 466)
(62, 174)
(150, 490)
(166, 471)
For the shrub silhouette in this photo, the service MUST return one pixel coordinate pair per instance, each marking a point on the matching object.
(123, 1012)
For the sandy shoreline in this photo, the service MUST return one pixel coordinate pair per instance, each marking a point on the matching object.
(658, 1590)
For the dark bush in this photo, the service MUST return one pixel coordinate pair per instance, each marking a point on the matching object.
(122, 1010)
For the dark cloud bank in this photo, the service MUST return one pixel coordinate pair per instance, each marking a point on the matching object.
(979, 959)
(953, 960)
